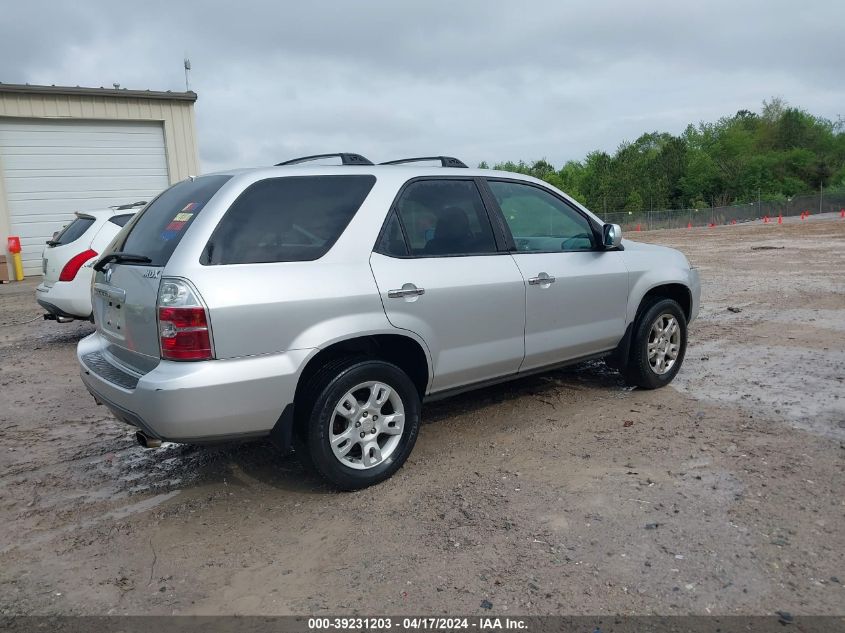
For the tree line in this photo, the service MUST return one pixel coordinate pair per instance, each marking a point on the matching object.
(771, 155)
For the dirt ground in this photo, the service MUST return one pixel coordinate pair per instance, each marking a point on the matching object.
(566, 493)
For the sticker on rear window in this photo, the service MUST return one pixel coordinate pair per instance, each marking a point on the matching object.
(175, 226)
(183, 217)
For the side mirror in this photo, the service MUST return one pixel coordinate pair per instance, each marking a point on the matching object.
(612, 234)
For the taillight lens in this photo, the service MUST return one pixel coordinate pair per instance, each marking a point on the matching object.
(76, 262)
(182, 323)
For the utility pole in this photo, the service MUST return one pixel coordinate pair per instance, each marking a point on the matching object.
(187, 70)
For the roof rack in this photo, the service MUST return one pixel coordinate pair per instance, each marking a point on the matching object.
(445, 161)
(131, 205)
(345, 159)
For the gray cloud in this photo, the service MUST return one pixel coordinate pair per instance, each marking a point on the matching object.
(479, 80)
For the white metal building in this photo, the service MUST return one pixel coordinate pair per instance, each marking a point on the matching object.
(68, 149)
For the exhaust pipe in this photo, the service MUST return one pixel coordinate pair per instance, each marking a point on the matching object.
(55, 317)
(146, 441)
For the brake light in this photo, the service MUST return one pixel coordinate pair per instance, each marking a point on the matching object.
(182, 323)
(76, 262)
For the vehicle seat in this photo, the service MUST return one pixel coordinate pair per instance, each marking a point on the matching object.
(451, 233)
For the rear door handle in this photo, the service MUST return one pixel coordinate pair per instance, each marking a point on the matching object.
(542, 278)
(407, 290)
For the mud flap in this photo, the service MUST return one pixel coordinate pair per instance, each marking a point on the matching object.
(282, 432)
(618, 358)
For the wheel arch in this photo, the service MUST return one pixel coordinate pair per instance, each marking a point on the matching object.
(403, 350)
(678, 292)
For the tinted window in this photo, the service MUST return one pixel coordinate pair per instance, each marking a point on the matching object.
(72, 231)
(540, 221)
(445, 217)
(392, 240)
(121, 220)
(158, 229)
(291, 219)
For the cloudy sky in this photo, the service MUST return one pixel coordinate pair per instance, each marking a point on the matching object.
(478, 80)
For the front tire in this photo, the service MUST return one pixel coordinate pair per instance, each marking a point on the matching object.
(658, 346)
(363, 423)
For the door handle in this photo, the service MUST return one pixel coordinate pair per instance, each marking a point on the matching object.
(542, 278)
(408, 290)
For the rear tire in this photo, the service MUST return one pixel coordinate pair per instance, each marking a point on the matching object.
(361, 422)
(658, 345)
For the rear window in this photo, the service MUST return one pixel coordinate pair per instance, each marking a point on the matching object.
(72, 231)
(291, 219)
(158, 229)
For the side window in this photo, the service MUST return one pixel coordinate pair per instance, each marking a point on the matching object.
(392, 241)
(289, 219)
(540, 221)
(445, 217)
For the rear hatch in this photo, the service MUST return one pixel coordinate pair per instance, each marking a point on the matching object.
(72, 240)
(125, 290)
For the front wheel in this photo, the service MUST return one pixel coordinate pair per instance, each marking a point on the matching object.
(363, 423)
(658, 345)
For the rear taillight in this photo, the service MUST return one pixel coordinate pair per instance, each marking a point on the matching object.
(182, 323)
(76, 262)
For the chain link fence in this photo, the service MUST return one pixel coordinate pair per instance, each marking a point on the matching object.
(648, 220)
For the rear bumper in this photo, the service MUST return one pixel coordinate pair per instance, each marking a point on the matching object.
(67, 298)
(198, 402)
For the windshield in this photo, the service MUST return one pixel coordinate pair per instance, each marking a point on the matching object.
(157, 230)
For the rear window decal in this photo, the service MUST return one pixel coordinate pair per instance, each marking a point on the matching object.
(183, 217)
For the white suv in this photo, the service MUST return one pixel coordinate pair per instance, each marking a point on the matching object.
(65, 290)
(324, 304)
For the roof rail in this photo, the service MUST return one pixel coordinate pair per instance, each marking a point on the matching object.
(445, 161)
(131, 205)
(345, 159)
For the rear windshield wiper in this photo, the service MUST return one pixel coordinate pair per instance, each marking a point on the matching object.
(52, 243)
(120, 256)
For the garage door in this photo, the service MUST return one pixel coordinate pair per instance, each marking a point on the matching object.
(53, 168)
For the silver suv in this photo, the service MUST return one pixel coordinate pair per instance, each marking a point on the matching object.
(323, 304)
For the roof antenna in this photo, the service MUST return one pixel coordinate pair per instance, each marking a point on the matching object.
(187, 70)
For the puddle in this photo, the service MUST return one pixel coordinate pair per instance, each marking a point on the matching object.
(803, 387)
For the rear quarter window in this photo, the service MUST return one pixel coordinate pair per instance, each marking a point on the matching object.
(157, 229)
(72, 231)
(288, 219)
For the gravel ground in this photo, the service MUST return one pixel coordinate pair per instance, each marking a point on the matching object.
(566, 493)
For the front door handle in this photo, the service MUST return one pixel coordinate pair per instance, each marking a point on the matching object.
(407, 290)
(542, 278)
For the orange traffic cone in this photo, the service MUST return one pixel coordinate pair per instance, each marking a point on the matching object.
(780, 219)
(689, 224)
(638, 228)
